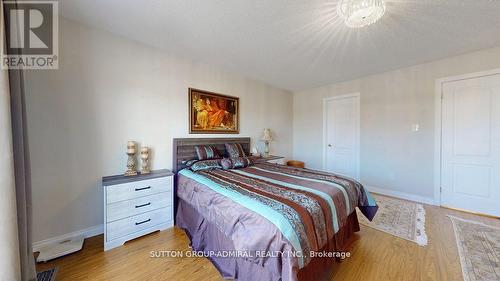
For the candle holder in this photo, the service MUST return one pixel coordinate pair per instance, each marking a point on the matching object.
(145, 160)
(131, 164)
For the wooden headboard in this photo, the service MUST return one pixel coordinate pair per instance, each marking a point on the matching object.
(184, 148)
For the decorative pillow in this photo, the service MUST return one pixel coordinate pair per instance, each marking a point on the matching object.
(234, 150)
(205, 152)
(189, 163)
(206, 165)
(236, 163)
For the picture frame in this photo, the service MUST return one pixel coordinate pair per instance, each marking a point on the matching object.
(213, 113)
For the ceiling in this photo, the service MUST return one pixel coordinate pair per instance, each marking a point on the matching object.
(295, 44)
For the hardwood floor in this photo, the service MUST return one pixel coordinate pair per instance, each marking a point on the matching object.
(374, 256)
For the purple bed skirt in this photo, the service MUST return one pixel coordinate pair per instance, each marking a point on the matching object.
(206, 237)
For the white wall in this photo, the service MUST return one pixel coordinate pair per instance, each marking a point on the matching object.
(109, 90)
(392, 156)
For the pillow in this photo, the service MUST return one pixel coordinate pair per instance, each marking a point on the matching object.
(236, 163)
(206, 165)
(189, 163)
(234, 150)
(205, 152)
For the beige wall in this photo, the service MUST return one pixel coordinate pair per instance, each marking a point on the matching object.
(392, 156)
(109, 90)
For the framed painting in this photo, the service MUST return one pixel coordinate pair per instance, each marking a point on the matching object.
(212, 113)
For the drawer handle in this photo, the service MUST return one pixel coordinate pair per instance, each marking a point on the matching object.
(141, 222)
(143, 205)
(142, 188)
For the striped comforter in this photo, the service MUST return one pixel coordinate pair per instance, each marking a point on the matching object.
(308, 206)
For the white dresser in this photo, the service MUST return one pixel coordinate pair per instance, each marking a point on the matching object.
(137, 205)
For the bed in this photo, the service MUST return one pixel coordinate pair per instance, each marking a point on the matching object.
(266, 221)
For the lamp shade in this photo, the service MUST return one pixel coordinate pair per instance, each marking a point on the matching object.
(267, 135)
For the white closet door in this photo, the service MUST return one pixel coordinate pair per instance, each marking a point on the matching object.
(470, 178)
(341, 129)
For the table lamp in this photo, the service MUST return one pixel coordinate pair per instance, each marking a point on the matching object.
(267, 138)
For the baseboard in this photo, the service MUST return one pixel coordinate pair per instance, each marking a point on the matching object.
(87, 232)
(402, 195)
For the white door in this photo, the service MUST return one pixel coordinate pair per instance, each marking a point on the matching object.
(470, 171)
(341, 135)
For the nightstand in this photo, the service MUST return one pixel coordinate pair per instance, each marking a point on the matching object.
(137, 205)
(270, 159)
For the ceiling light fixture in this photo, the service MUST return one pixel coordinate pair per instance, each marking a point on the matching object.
(361, 13)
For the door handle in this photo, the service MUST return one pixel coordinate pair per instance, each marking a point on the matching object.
(329, 145)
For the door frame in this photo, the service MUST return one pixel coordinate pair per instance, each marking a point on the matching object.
(356, 95)
(438, 130)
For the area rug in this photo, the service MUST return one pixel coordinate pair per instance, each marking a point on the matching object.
(404, 219)
(479, 249)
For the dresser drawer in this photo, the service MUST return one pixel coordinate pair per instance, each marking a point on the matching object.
(133, 224)
(128, 208)
(127, 191)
